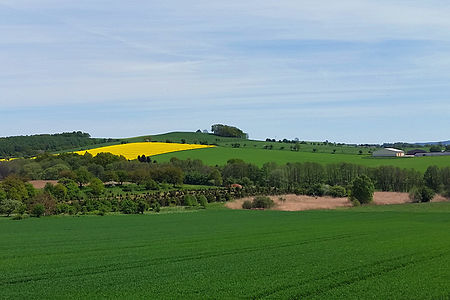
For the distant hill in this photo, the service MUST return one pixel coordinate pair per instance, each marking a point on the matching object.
(434, 143)
(31, 145)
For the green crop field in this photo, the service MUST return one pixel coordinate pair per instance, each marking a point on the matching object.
(220, 155)
(386, 252)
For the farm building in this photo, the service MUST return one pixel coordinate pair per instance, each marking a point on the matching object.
(433, 154)
(388, 152)
(416, 151)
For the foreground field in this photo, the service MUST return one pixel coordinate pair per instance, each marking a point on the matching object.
(133, 150)
(220, 155)
(383, 252)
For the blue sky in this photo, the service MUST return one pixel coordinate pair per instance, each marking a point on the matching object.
(346, 71)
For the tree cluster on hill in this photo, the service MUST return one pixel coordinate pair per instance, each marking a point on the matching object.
(228, 131)
(27, 146)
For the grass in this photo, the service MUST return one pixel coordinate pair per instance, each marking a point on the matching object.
(220, 155)
(194, 137)
(388, 252)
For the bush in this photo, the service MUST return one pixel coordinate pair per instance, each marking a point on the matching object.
(415, 195)
(337, 191)
(190, 200)
(156, 207)
(421, 194)
(38, 210)
(202, 201)
(262, 202)
(128, 206)
(247, 204)
(362, 189)
(316, 190)
(63, 208)
(299, 191)
(17, 217)
(150, 184)
(142, 206)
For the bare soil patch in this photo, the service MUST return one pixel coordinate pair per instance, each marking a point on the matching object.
(40, 184)
(301, 202)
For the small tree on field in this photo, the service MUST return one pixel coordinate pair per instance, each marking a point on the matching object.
(38, 210)
(421, 194)
(8, 206)
(362, 190)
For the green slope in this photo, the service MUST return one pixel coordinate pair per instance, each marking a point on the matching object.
(195, 138)
(220, 155)
(395, 252)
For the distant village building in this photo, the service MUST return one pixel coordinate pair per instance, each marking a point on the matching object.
(415, 151)
(388, 152)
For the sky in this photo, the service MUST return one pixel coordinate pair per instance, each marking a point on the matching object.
(354, 71)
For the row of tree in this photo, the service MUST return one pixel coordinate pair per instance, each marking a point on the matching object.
(82, 178)
(108, 167)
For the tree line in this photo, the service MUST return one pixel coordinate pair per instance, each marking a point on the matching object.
(82, 179)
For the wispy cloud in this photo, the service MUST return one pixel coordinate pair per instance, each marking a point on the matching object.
(232, 61)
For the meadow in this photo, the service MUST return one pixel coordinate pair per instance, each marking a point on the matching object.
(383, 252)
(220, 155)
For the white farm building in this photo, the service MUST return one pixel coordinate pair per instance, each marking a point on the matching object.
(388, 152)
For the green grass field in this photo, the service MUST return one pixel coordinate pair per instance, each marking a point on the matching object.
(220, 155)
(194, 138)
(386, 252)
(308, 146)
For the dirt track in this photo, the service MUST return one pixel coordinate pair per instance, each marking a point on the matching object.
(297, 203)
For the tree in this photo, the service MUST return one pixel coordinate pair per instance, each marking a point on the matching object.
(38, 210)
(142, 206)
(362, 189)
(128, 206)
(8, 206)
(228, 131)
(202, 201)
(110, 176)
(432, 178)
(60, 191)
(215, 177)
(96, 187)
(14, 188)
(436, 148)
(122, 176)
(82, 176)
(73, 191)
(421, 194)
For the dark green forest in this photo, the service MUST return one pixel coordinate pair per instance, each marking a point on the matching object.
(31, 145)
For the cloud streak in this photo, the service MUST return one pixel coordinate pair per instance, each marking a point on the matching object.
(233, 61)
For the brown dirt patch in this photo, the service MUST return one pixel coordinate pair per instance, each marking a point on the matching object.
(40, 184)
(298, 203)
(302, 202)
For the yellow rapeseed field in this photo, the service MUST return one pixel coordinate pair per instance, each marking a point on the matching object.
(132, 150)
